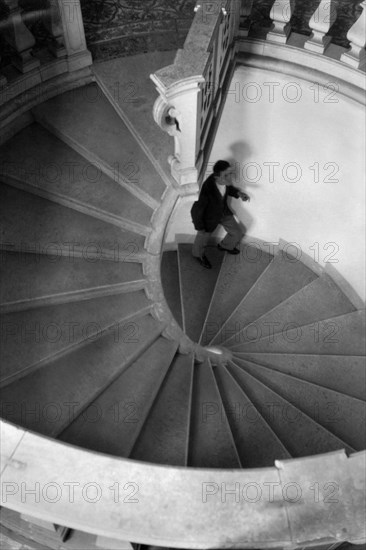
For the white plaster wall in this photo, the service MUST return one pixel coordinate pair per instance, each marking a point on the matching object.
(271, 118)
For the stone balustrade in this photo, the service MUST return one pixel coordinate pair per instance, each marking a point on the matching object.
(295, 503)
(192, 86)
(67, 50)
(17, 34)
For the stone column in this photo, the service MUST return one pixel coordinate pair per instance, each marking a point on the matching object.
(20, 38)
(355, 56)
(281, 15)
(74, 36)
(320, 23)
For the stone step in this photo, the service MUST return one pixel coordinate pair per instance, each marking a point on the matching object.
(257, 444)
(91, 125)
(211, 443)
(127, 81)
(34, 338)
(123, 407)
(299, 433)
(237, 276)
(340, 414)
(47, 400)
(342, 335)
(197, 286)
(165, 434)
(52, 169)
(284, 276)
(319, 300)
(43, 281)
(342, 373)
(36, 225)
(169, 272)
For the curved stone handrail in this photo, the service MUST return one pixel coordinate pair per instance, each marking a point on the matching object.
(294, 503)
(193, 86)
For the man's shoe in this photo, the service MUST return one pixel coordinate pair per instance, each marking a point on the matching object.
(204, 262)
(233, 251)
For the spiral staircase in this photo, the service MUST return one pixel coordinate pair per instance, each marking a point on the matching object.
(124, 359)
(276, 368)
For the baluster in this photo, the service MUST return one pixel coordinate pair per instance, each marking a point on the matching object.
(53, 24)
(74, 36)
(320, 23)
(20, 38)
(355, 56)
(3, 80)
(245, 17)
(281, 15)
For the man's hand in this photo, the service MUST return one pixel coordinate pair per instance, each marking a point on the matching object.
(244, 196)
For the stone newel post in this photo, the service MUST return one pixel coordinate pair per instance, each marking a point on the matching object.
(181, 99)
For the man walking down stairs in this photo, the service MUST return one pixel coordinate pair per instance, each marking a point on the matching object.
(212, 209)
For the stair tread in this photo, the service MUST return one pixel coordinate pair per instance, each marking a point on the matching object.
(341, 335)
(124, 405)
(169, 271)
(39, 276)
(236, 277)
(34, 336)
(257, 444)
(128, 81)
(321, 299)
(342, 415)
(211, 443)
(37, 224)
(301, 435)
(70, 176)
(73, 381)
(283, 277)
(197, 285)
(164, 436)
(345, 374)
(90, 120)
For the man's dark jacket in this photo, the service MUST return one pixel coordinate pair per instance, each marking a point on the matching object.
(211, 206)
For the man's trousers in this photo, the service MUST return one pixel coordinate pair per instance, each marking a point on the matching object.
(231, 240)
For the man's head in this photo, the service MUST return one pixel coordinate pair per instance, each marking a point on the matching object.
(222, 170)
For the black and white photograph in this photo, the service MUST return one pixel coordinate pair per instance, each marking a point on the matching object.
(182, 274)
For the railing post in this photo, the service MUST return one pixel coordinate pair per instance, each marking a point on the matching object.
(3, 80)
(53, 24)
(355, 56)
(281, 15)
(245, 17)
(20, 38)
(176, 112)
(74, 36)
(320, 23)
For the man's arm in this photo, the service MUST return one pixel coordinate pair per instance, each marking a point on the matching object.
(237, 193)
